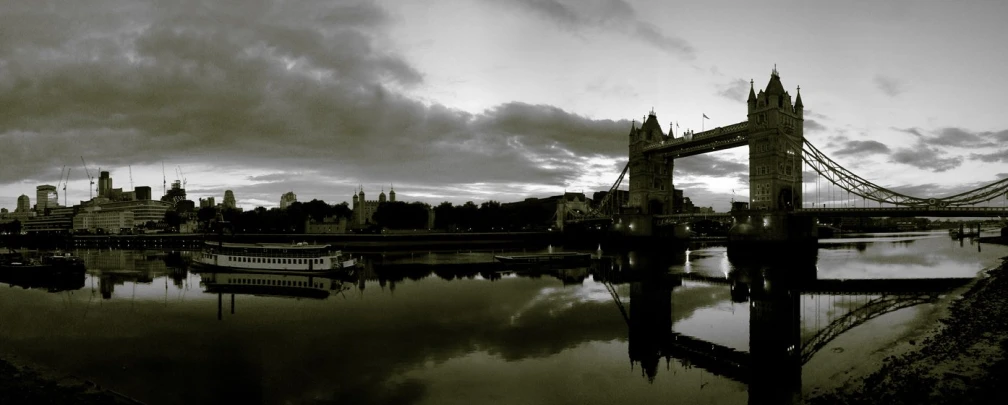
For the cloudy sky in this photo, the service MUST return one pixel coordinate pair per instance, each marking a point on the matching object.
(456, 100)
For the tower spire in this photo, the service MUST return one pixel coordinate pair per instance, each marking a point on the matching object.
(752, 93)
(798, 104)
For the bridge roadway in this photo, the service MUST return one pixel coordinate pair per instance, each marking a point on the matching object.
(731, 136)
(953, 212)
(926, 211)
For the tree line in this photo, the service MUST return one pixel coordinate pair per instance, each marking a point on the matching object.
(490, 216)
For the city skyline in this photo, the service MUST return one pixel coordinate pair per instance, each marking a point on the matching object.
(479, 100)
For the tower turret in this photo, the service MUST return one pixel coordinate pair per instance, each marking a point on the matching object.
(381, 197)
(391, 193)
(751, 102)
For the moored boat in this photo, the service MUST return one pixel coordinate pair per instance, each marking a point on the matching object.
(265, 257)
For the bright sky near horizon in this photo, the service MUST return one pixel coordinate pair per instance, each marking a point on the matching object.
(456, 100)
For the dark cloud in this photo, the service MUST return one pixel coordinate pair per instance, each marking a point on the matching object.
(614, 15)
(891, 86)
(912, 131)
(926, 158)
(991, 157)
(862, 148)
(813, 125)
(959, 137)
(814, 114)
(297, 88)
(709, 165)
(737, 90)
(963, 138)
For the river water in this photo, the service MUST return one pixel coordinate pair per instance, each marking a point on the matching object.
(451, 328)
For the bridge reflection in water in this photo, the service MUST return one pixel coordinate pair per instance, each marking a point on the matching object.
(778, 348)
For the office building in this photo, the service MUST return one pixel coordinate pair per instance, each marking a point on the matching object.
(45, 197)
(287, 199)
(229, 199)
(105, 185)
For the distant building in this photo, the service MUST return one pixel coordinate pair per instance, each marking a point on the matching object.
(142, 193)
(363, 210)
(113, 222)
(105, 185)
(207, 202)
(59, 221)
(328, 225)
(229, 199)
(175, 194)
(45, 197)
(287, 199)
(23, 204)
(571, 206)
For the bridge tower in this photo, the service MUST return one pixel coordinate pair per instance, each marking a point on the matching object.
(651, 189)
(774, 167)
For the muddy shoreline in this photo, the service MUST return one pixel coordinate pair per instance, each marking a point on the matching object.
(20, 384)
(960, 360)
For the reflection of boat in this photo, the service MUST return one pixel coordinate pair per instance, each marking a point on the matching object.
(273, 284)
(563, 258)
(301, 257)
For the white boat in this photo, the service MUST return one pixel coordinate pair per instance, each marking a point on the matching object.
(268, 257)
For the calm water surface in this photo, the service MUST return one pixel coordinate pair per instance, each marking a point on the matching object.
(450, 328)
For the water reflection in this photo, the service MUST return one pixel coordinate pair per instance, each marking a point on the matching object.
(778, 345)
(452, 328)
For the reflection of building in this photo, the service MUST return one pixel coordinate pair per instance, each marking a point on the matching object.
(287, 199)
(45, 197)
(363, 210)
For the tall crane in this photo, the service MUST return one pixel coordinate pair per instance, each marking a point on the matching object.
(182, 175)
(59, 182)
(65, 184)
(90, 177)
(164, 181)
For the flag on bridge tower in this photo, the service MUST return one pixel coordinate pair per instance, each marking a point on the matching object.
(705, 116)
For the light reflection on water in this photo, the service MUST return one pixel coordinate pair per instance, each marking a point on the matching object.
(437, 331)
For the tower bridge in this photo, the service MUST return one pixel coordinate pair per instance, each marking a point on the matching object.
(778, 155)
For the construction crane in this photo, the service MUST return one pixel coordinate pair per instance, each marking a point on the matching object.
(164, 181)
(59, 182)
(90, 177)
(182, 175)
(65, 184)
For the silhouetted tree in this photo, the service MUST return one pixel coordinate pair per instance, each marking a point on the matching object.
(172, 219)
(444, 216)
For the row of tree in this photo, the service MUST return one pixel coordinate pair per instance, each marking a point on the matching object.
(487, 217)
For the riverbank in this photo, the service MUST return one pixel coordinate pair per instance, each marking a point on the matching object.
(31, 385)
(963, 360)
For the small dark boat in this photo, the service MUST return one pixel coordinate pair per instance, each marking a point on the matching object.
(54, 272)
(563, 258)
